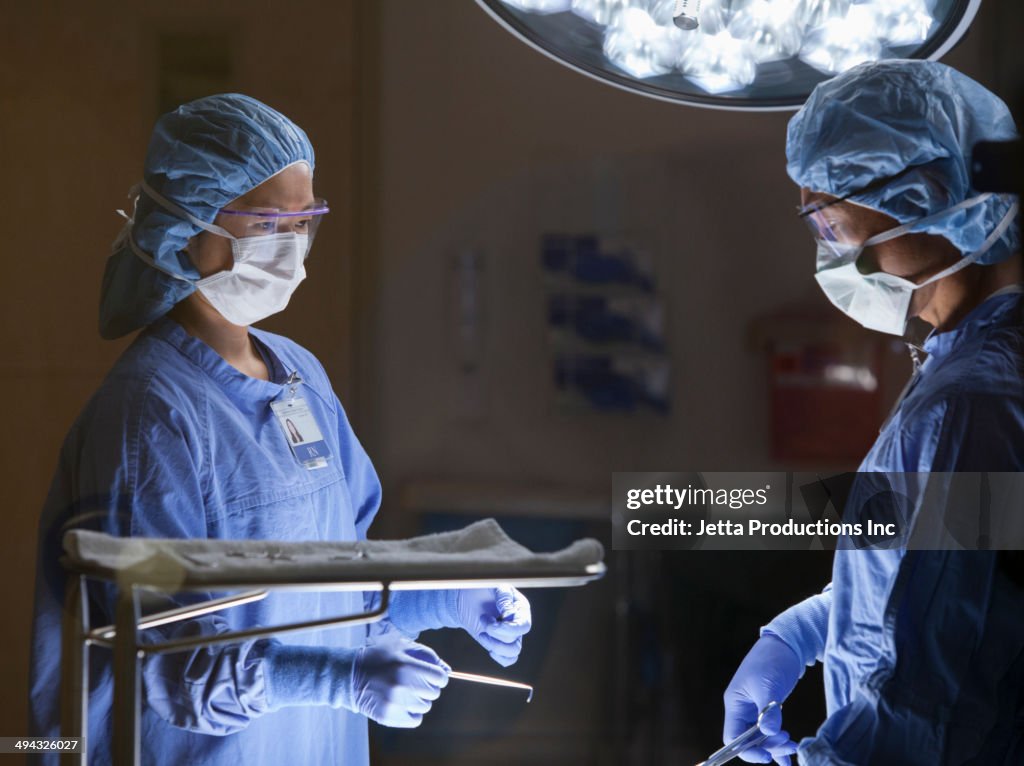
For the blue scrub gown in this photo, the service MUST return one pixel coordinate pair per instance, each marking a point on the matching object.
(924, 650)
(177, 443)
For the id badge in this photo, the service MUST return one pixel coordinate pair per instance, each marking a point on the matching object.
(302, 432)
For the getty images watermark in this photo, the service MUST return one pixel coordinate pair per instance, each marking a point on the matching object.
(810, 511)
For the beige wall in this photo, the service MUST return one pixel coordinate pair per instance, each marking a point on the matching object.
(78, 97)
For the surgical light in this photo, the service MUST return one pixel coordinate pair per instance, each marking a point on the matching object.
(541, 6)
(906, 22)
(769, 30)
(602, 12)
(714, 16)
(719, 63)
(638, 45)
(817, 12)
(843, 42)
(731, 54)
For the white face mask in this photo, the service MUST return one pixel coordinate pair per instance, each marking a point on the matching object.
(881, 301)
(266, 271)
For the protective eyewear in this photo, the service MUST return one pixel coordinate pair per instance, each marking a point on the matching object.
(262, 221)
(820, 223)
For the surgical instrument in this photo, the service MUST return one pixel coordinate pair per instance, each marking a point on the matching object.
(478, 679)
(752, 737)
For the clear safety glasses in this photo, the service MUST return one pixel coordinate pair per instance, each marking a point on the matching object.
(262, 221)
(824, 225)
(819, 223)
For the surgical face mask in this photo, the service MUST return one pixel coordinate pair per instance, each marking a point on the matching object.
(266, 270)
(265, 273)
(881, 301)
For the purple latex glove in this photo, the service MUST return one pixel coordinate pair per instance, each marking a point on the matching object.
(768, 672)
(497, 618)
(395, 681)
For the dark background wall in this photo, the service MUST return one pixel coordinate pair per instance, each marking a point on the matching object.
(436, 131)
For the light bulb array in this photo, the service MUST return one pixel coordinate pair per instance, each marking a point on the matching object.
(650, 38)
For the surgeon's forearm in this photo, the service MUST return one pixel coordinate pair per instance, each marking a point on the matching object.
(221, 692)
(413, 611)
(804, 626)
(308, 675)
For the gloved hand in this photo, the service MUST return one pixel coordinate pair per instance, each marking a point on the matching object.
(497, 618)
(395, 681)
(390, 679)
(768, 672)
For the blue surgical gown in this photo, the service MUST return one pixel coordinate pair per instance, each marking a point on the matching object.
(177, 443)
(923, 651)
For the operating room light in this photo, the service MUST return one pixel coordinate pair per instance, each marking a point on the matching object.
(814, 14)
(715, 16)
(769, 31)
(906, 22)
(842, 43)
(735, 54)
(541, 6)
(637, 44)
(719, 63)
(603, 12)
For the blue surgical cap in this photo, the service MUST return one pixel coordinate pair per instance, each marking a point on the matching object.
(879, 119)
(201, 156)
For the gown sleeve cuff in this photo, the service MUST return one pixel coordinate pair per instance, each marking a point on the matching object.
(308, 675)
(804, 626)
(413, 611)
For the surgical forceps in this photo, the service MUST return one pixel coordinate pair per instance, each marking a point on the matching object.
(752, 737)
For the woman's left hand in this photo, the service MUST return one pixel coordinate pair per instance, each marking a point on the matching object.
(497, 618)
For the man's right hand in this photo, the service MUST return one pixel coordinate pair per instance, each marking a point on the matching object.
(768, 673)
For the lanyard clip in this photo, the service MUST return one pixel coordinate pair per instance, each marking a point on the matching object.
(293, 383)
(915, 356)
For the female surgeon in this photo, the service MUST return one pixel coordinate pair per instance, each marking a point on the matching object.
(923, 650)
(181, 441)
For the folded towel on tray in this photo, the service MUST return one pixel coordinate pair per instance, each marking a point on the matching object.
(481, 550)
